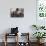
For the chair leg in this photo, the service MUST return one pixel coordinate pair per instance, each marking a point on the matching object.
(17, 39)
(5, 43)
(5, 40)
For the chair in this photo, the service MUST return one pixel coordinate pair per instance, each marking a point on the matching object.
(25, 43)
(14, 32)
(7, 35)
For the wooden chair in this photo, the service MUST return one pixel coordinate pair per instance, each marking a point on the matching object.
(8, 34)
(27, 37)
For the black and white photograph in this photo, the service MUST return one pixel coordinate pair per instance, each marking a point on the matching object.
(18, 12)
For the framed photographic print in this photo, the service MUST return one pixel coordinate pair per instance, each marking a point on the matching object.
(41, 8)
(18, 12)
(41, 12)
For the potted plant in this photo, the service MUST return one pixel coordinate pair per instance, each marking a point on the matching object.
(39, 35)
(38, 27)
(42, 27)
(35, 26)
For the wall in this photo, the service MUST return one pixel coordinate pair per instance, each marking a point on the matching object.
(24, 24)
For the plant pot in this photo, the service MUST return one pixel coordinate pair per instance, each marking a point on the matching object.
(40, 41)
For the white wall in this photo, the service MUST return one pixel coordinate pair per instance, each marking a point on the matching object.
(24, 24)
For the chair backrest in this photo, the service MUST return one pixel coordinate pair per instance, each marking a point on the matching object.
(14, 30)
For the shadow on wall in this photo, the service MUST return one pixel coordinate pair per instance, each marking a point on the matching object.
(7, 30)
(2, 34)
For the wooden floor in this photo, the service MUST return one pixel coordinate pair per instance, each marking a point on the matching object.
(13, 44)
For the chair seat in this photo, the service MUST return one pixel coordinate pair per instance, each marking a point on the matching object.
(9, 34)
